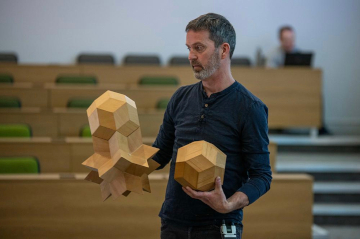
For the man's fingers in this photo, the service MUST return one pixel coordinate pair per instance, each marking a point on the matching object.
(192, 193)
(218, 184)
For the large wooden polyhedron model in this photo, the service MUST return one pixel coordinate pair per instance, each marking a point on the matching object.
(198, 164)
(121, 162)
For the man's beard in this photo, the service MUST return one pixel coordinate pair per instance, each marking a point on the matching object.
(209, 69)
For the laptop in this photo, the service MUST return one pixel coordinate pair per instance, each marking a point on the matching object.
(298, 59)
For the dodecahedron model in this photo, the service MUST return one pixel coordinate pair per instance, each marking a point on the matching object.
(198, 164)
(121, 162)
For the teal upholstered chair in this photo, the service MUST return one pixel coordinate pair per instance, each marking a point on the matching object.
(6, 78)
(76, 79)
(85, 131)
(79, 103)
(15, 130)
(13, 165)
(107, 59)
(162, 103)
(142, 60)
(159, 80)
(9, 102)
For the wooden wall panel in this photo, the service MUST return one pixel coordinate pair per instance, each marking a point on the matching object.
(284, 212)
(28, 95)
(53, 156)
(144, 97)
(46, 206)
(42, 123)
(293, 95)
(38, 73)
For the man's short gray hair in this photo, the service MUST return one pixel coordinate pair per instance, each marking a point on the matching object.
(219, 27)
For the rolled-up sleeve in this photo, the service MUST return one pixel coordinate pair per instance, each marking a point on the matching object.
(255, 152)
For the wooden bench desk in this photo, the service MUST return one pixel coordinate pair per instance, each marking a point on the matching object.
(38, 73)
(54, 156)
(72, 120)
(66, 155)
(29, 95)
(67, 122)
(43, 123)
(144, 97)
(65, 206)
(132, 74)
(293, 95)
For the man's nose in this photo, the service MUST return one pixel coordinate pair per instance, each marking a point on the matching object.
(192, 56)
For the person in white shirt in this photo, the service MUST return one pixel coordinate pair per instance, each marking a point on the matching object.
(276, 57)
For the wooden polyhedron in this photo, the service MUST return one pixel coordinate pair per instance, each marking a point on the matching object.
(121, 162)
(198, 164)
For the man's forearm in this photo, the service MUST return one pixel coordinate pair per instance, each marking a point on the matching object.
(237, 201)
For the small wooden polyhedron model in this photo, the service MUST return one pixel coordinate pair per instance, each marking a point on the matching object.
(198, 164)
(121, 162)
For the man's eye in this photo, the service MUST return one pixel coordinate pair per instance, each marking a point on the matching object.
(199, 48)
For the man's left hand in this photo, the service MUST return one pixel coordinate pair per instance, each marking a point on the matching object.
(216, 199)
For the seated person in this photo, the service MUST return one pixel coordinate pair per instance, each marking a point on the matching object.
(287, 45)
(277, 57)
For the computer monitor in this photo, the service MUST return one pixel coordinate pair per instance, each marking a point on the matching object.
(298, 59)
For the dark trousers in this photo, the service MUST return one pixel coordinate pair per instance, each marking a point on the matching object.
(170, 230)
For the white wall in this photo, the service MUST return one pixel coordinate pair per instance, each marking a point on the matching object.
(52, 31)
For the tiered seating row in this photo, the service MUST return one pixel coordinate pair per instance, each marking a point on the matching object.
(62, 122)
(66, 155)
(71, 206)
(291, 104)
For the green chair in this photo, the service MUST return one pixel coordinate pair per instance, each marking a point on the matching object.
(76, 80)
(142, 60)
(158, 80)
(85, 131)
(12, 165)
(107, 59)
(8, 57)
(9, 102)
(15, 130)
(6, 78)
(79, 103)
(162, 103)
(179, 61)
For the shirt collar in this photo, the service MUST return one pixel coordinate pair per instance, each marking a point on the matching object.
(223, 92)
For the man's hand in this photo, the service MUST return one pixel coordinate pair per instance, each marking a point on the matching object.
(216, 199)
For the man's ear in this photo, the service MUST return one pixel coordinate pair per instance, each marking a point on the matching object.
(225, 50)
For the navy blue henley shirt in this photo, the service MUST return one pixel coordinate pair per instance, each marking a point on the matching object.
(235, 121)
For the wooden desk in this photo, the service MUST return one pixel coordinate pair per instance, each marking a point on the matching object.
(63, 206)
(38, 73)
(53, 156)
(293, 95)
(284, 212)
(144, 97)
(70, 121)
(66, 155)
(29, 95)
(82, 148)
(132, 74)
(65, 122)
(43, 123)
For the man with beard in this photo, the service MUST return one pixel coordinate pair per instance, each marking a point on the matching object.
(220, 111)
